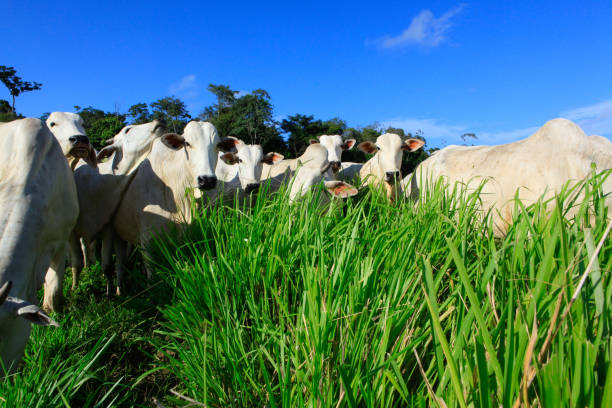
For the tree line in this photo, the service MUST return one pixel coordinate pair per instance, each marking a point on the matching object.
(247, 116)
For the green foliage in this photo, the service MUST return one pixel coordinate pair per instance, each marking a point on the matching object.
(172, 111)
(299, 306)
(103, 129)
(139, 114)
(99, 125)
(300, 129)
(248, 117)
(15, 85)
(6, 112)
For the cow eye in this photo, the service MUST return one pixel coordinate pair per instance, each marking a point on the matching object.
(377, 147)
(187, 144)
(239, 160)
(51, 124)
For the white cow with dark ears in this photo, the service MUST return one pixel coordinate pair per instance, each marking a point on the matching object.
(156, 199)
(241, 171)
(335, 146)
(384, 169)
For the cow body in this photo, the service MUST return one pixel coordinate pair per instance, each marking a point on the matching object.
(538, 166)
(101, 189)
(39, 209)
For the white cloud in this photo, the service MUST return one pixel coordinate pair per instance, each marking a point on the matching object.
(186, 87)
(593, 119)
(424, 30)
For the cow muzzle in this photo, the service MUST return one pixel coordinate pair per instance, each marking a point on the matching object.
(335, 166)
(251, 188)
(391, 177)
(207, 182)
(80, 146)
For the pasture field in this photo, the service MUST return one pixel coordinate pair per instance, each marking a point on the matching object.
(365, 304)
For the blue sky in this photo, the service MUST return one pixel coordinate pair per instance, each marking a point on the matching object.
(498, 69)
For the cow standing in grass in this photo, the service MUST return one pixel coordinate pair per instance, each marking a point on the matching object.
(157, 197)
(39, 209)
(538, 166)
(241, 171)
(334, 145)
(384, 168)
(101, 189)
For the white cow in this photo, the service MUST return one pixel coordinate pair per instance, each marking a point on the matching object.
(349, 170)
(332, 143)
(385, 167)
(68, 130)
(312, 167)
(157, 199)
(39, 209)
(241, 171)
(100, 190)
(537, 166)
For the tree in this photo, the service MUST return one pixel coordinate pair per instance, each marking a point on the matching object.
(15, 84)
(139, 113)
(172, 111)
(248, 117)
(6, 113)
(225, 97)
(300, 129)
(99, 125)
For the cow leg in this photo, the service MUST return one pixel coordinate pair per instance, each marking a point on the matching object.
(76, 259)
(54, 280)
(121, 251)
(89, 252)
(107, 258)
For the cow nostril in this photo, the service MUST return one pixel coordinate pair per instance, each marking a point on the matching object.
(72, 139)
(392, 175)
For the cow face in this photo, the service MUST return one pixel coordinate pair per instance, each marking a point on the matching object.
(335, 146)
(131, 145)
(68, 130)
(201, 143)
(13, 333)
(388, 150)
(308, 176)
(250, 160)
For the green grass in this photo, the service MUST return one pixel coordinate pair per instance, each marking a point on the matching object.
(367, 304)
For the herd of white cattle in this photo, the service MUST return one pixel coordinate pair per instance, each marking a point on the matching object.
(56, 191)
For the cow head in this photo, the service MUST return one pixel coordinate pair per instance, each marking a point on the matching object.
(201, 142)
(131, 145)
(250, 160)
(68, 130)
(388, 150)
(312, 166)
(335, 146)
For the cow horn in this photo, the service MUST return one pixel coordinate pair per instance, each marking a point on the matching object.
(4, 291)
(110, 141)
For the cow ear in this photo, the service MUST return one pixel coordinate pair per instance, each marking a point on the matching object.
(5, 290)
(367, 147)
(173, 141)
(412, 144)
(229, 144)
(272, 158)
(91, 158)
(229, 158)
(314, 141)
(348, 144)
(35, 315)
(340, 189)
(106, 152)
